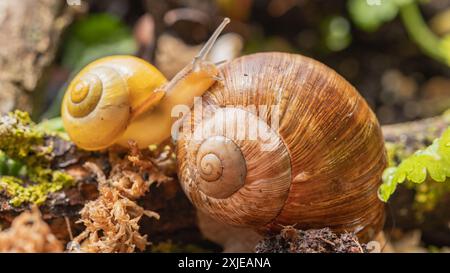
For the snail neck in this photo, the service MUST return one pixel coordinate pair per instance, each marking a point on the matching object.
(181, 90)
(188, 84)
(196, 77)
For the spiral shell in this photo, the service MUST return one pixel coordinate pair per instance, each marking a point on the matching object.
(320, 166)
(96, 109)
(100, 100)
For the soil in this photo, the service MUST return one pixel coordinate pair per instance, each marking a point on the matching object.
(292, 240)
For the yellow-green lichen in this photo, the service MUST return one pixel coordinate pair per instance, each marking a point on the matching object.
(21, 141)
(35, 192)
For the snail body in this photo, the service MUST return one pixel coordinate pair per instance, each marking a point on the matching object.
(320, 167)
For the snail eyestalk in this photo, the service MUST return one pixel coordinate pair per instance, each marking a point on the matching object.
(194, 79)
(201, 56)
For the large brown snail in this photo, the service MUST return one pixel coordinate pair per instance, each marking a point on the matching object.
(320, 166)
(326, 155)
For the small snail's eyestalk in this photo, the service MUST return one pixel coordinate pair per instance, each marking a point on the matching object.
(190, 76)
(201, 56)
(197, 76)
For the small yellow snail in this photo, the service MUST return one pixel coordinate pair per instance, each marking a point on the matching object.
(320, 167)
(119, 98)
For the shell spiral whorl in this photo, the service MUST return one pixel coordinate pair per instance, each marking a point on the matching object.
(210, 167)
(97, 103)
(221, 167)
(85, 93)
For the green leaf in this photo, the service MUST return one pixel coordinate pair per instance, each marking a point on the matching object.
(445, 48)
(96, 36)
(9, 166)
(432, 162)
(388, 187)
(53, 126)
(369, 15)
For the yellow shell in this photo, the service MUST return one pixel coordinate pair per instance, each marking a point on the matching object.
(320, 167)
(101, 100)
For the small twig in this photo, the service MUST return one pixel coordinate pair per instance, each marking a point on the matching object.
(359, 245)
(327, 241)
(69, 229)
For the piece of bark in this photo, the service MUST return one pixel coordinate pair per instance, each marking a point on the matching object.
(59, 207)
(178, 221)
(30, 32)
(416, 134)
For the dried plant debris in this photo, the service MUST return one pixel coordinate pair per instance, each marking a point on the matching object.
(112, 220)
(29, 234)
(291, 240)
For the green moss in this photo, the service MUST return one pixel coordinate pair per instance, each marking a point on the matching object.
(23, 143)
(19, 139)
(37, 192)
